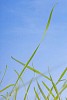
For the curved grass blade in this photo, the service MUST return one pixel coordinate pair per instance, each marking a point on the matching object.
(48, 23)
(34, 70)
(37, 96)
(54, 86)
(6, 87)
(27, 89)
(3, 75)
(64, 87)
(41, 91)
(63, 73)
(49, 90)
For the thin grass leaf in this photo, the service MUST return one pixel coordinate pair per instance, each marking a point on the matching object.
(41, 91)
(64, 87)
(11, 85)
(48, 23)
(60, 78)
(7, 96)
(49, 90)
(25, 68)
(16, 92)
(54, 86)
(3, 75)
(64, 83)
(34, 70)
(20, 79)
(27, 89)
(37, 96)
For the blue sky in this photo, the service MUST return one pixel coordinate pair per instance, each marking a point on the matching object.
(22, 23)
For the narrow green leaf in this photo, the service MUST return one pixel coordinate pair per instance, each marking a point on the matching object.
(3, 75)
(54, 86)
(64, 83)
(37, 96)
(6, 87)
(58, 79)
(25, 67)
(62, 75)
(16, 92)
(34, 70)
(27, 89)
(48, 23)
(20, 78)
(63, 88)
(49, 90)
(44, 96)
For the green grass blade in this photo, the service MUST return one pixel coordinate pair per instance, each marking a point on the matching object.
(20, 79)
(37, 96)
(59, 79)
(6, 87)
(54, 86)
(25, 67)
(16, 92)
(48, 23)
(49, 90)
(63, 73)
(63, 88)
(3, 75)
(64, 83)
(27, 89)
(32, 69)
(41, 91)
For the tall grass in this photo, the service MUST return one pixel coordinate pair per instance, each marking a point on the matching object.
(56, 95)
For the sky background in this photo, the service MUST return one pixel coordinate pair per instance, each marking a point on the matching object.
(22, 23)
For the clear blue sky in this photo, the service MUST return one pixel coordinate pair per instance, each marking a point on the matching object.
(22, 23)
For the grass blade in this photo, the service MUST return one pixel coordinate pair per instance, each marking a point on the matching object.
(27, 89)
(58, 80)
(64, 87)
(20, 79)
(48, 23)
(6, 87)
(3, 75)
(37, 96)
(16, 92)
(62, 75)
(25, 67)
(44, 96)
(32, 69)
(54, 86)
(49, 90)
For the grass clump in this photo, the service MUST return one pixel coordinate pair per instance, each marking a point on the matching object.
(16, 87)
